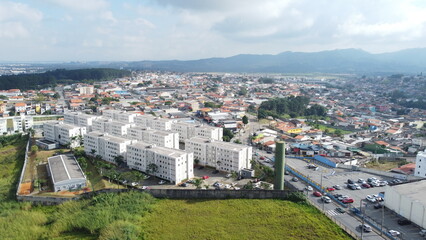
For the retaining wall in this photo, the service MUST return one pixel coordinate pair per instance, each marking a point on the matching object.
(171, 194)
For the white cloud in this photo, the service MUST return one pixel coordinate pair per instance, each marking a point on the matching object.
(81, 5)
(16, 19)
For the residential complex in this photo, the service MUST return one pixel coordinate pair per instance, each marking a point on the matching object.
(15, 124)
(80, 119)
(63, 133)
(171, 164)
(107, 146)
(159, 138)
(121, 116)
(154, 122)
(223, 156)
(189, 130)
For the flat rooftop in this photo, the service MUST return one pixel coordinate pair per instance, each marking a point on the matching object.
(64, 167)
(414, 190)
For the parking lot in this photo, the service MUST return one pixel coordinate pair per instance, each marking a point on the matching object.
(200, 173)
(332, 176)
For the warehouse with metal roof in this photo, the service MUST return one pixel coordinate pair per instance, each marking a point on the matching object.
(65, 173)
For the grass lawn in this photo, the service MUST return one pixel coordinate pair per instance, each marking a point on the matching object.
(384, 165)
(331, 130)
(11, 162)
(238, 219)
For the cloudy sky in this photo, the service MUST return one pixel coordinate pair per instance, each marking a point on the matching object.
(109, 30)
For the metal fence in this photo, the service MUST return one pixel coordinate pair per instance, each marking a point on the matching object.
(372, 223)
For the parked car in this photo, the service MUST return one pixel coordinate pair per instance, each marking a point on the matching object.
(337, 187)
(161, 182)
(360, 180)
(347, 200)
(310, 166)
(228, 175)
(262, 158)
(326, 199)
(215, 172)
(295, 179)
(341, 198)
(330, 189)
(366, 228)
(337, 195)
(350, 181)
(372, 179)
(371, 199)
(269, 152)
(340, 210)
(309, 188)
(394, 233)
(205, 177)
(378, 205)
(423, 233)
(286, 173)
(134, 184)
(200, 167)
(317, 194)
(183, 185)
(366, 185)
(404, 221)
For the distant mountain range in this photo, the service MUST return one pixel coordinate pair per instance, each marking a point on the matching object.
(334, 61)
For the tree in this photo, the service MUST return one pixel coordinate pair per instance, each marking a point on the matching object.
(245, 119)
(196, 161)
(119, 159)
(93, 151)
(227, 135)
(152, 168)
(56, 96)
(34, 149)
(242, 91)
(338, 132)
(82, 162)
(238, 141)
(198, 182)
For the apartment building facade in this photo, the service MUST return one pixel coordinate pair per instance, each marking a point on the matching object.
(157, 137)
(106, 146)
(122, 116)
(80, 119)
(189, 130)
(155, 123)
(170, 164)
(223, 156)
(63, 133)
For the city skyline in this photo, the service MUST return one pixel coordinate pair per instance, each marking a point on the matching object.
(103, 30)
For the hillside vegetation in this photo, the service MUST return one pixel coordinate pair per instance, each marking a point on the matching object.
(238, 219)
(51, 78)
(137, 215)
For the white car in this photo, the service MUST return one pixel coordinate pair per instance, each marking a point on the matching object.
(337, 187)
(371, 198)
(309, 188)
(326, 199)
(161, 182)
(394, 233)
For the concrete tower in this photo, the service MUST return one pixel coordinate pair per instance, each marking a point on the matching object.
(279, 165)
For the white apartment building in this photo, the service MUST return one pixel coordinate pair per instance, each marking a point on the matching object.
(224, 156)
(171, 164)
(152, 122)
(100, 124)
(189, 130)
(63, 133)
(157, 137)
(105, 145)
(15, 124)
(122, 116)
(117, 128)
(80, 119)
(84, 90)
(420, 170)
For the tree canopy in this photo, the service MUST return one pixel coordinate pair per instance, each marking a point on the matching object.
(292, 106)
(51, 78)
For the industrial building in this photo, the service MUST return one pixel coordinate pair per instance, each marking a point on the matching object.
(106, 146)
(223, 156)
(408, 200)
(63, 133)
(170, 164)
(65, 173)
(420, 170)
(159, 138)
